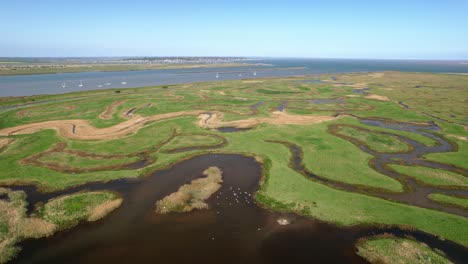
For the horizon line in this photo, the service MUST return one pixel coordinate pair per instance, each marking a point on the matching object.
(243, 57)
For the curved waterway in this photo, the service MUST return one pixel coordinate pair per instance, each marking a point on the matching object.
(415, 193)
(233, 230)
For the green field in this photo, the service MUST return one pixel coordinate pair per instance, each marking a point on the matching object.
(169, 126)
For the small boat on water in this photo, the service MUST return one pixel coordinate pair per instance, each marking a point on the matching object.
(81, 84)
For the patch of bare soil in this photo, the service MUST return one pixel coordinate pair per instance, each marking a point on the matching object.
(81, 129)
(377, 97)
(107, 114)
(214, 120)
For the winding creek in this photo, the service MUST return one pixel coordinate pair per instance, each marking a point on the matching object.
(415, 193)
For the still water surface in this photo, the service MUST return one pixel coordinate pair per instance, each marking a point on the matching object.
(233, 230)
(25, 85)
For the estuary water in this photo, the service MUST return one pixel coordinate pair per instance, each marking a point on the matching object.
(25, 85)
(233, 230)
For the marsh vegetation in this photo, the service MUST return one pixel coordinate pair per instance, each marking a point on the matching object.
(349, 160)
(193, 195)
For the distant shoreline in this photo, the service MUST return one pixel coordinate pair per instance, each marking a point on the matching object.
(28, 69)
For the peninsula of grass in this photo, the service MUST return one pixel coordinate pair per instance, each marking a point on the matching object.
(393, 250)
(320, 151)
(375, 141)
(69, 210)
(15, 226)
(432, 176)
(193, 195)
(55, 215)
(454, 158)
(451, 200)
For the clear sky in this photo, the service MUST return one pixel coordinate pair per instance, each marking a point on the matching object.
(392, 29)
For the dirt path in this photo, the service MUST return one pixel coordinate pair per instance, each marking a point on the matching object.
(82, 130)
(277, 118)
(107, 114)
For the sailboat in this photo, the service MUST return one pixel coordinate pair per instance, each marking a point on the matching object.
(217, 75)
(81, 84)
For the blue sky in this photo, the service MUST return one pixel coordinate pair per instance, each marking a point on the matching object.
(395, 29)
